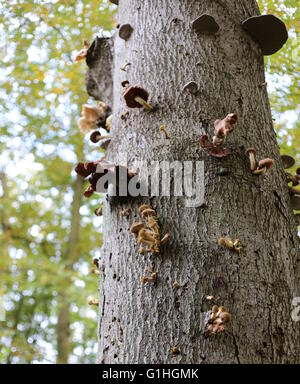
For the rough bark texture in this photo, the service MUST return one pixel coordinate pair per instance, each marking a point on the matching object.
(99, 74)
(140, 324)
(63, 323)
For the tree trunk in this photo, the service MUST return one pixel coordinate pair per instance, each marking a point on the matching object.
(63, 322)
(6, 230)
(141, 324)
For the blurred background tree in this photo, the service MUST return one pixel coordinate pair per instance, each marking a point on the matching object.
(49, 234)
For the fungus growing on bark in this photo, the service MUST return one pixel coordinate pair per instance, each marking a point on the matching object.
(83, 52)
(221, 129)
(165, 239)
(162, 129)
(191, 87)
(96, 170)
(123, 68)
(125, 84)
(230, 244)
(268, 30)
(93, 301)
(125, 31)
(251, 153)
(295, 200)
(263, 166)
(98, 211)
(205, 24)
(104, 143)
(219, 319)
(84, 125)
(210, 298)
(176, 285)
(287, 161)
(175, 350)
(115, 2)
(108, 122)
(96, 261)
(124, 212)
(96, 136)
(148, 235)
(136, 97)
(124, 115)
(94, 271)
(149, 277)
(136, 227)
(93, 116)
(292, 179)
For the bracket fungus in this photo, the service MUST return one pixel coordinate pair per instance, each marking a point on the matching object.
(268, 30)
(191, 87)
(136, 97)
(219, 319)
(205, 24)
(83, 52)
(287, 161)
(148, 234)
(230, 244)
(295, 200)
(97, 169)
(125, 31)
(222, 128)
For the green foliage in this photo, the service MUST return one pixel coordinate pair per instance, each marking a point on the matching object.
(42, 91)
(283, 69)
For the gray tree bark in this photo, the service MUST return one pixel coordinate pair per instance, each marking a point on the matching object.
(141, 324)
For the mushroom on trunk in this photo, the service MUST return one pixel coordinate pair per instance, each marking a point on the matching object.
(268, 30)
(287, 161)
(251, 153)
(125, 31)
(222, 128)
(136, 97)
(205, 24)
(263, 166)
(295, 200)
(97, 169)
(96, 136)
